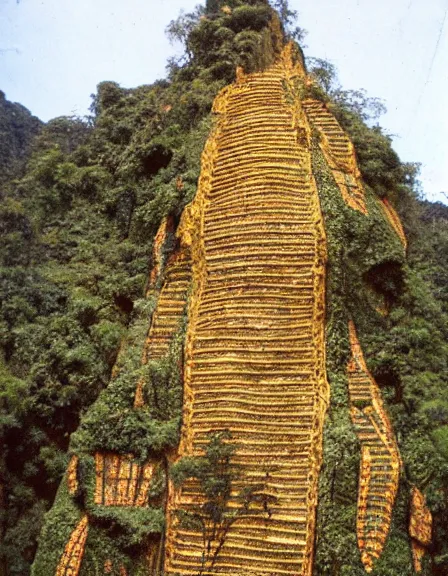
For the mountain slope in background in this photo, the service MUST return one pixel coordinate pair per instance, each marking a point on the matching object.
(17, 129)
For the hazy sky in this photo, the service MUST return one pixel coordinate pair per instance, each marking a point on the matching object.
(53, 53)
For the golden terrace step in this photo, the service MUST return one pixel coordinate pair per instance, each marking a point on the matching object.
(212, 299)
(295, 180)
(270, 87)
(283, 489)
(235, 548)
(292, 173)
(298, 206)
(253, 525)
(232, 340)
(303, 278)
(301, 445)
(267, 388)
(230, 139)
(236, 245)
(278, 547)
(244, 249)
(257, 117)
(255, 125)
(237, 157)
(234, 150)
(254, 328)
(253, 356)
(257, 225)
(266, 194)
(255, 97)
(257, 184)
(252, 94)
(232, 160)
(246, 304)
(268, 445)
(252, 332)
(253, 266)
(247, 466)
(256, 216)
(230, 163)
(288, 390)
(257, 220)
(230, 258)
(256, 103)
(280, 236)
(292, 199)
(248, 208)
(300, 413)
(251, 325)
(254, 371)
(268, 190)
(261, 289)
(288, 404)
(280, 415)
(271, 229)
(234, 562)
(257, 456)
(226, 175)
(297, 191)
(260, 235)
(232, 175)
(297, 503)
(254, 360)
(288, 303)
(300, 311)
(249, 434)
(231, 565)
(246, 348)
(240, 422)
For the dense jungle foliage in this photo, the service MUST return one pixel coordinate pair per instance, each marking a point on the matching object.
(77, 231)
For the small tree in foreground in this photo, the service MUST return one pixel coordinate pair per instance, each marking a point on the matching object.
(217, 477)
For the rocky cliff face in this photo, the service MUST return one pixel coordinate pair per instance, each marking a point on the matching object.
(17, 129)
(270, 408)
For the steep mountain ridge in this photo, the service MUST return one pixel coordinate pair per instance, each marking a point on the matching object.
(254, 360)
(75, 278)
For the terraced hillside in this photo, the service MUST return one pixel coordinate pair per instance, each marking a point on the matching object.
(167, 317)
(70, 562)
(380, 458)
(394, 220)
(339, 153)
(420, 527)
(255, 343)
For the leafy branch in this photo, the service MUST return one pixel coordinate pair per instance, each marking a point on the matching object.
(220, 508)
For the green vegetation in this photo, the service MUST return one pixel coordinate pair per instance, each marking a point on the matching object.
(77, 229)
(406, 350)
